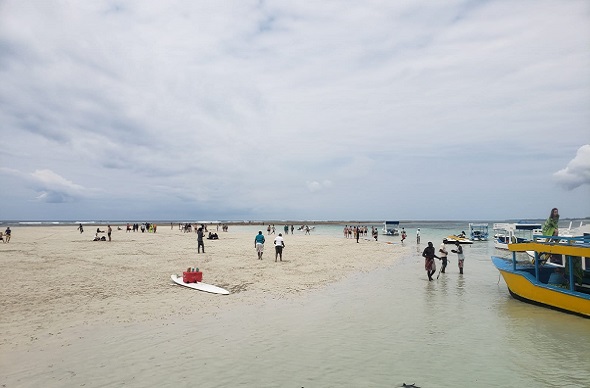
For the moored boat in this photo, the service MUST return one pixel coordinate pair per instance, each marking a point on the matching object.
(390, 228)
(510, 233)
(478, 232)
(564, 288)
(454, 239)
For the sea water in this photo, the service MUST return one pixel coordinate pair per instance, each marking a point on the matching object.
(378, 329)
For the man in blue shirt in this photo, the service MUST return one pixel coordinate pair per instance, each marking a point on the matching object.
(259, 244)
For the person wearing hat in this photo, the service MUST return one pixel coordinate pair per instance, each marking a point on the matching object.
(279, 245)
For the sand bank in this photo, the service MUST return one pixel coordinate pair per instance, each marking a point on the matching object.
(55, 279)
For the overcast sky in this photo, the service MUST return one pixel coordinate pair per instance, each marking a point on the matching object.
(322, 110)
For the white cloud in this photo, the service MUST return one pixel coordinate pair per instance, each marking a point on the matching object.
(577, 171)
(49, 186)
(193, 106)
(315, 186)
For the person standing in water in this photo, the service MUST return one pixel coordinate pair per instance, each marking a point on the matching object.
(429, 264)
(460, 256)
(443, 256)
(418, 236)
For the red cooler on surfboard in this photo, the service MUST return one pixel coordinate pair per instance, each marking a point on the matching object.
(192, 277)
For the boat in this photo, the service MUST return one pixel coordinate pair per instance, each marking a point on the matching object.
(519, 232)
(460, 238)
(569, 232)
(478, 232)
(390, 228)
(549, 286)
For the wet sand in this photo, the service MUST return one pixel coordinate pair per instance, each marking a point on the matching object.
(55, 279)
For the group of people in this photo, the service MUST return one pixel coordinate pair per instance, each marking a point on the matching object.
(6, 236)
(279, 244)
(135, 227)
(146, 226)
(355, 231)
(271, 229)
(429, 256)
(98, 231)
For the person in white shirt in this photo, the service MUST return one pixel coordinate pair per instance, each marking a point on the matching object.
(443, 253)
(279, 245)
(460, 256)
(418, 236)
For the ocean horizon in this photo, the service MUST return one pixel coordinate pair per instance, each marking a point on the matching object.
(410, 223)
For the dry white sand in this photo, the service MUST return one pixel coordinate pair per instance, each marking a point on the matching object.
(54, 278)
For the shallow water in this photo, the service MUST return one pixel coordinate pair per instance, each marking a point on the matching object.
(378, 329)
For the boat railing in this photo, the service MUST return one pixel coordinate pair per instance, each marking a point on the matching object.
(570, 247)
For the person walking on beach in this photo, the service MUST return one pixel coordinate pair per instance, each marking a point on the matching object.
(81, 228)
(200, 240)
(279, 245)
(418, 236)
(109, 231)
(460, 256)
(7, 234)
(259, 244)
(404, 234)
(429, 264)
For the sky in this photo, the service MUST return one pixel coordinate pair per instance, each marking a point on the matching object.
(284, 110)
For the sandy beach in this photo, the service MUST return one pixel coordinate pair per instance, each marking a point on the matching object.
(55, 279)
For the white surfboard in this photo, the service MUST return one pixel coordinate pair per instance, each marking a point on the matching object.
(200, 286)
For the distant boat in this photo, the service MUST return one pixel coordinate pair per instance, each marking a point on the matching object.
(478, 232)
(510, 233)
(390, 228)
(547, 285)
(454, 239)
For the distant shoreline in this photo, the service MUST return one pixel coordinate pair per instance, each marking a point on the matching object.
(163, 223)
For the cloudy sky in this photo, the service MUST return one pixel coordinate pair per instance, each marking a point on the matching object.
(323, 110)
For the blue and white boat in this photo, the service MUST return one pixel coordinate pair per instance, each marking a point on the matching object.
(511, 233)
(478, 232)
(391, 228)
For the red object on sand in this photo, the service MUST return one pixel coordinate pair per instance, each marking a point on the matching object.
(192, 277)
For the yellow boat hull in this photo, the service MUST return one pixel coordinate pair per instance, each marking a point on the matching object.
(522, 288)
